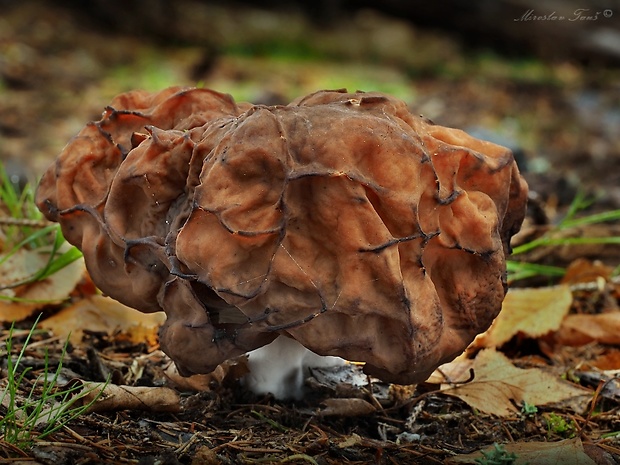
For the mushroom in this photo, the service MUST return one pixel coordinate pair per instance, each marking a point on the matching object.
(340, 220)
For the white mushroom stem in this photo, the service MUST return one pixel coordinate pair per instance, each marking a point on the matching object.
(280, 368)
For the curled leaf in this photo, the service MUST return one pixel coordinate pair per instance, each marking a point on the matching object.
(111, 398)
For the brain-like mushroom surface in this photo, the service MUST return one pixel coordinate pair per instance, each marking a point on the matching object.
(340, 220)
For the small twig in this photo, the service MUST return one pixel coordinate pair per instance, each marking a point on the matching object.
(371, 394)
(507, 431)
(269, 421)
(10, 221)
(71, 445)
(609, 448)
(431, 450)
(257, 450)
(75, 435)
(470, 378)
(46, 343)
(595, 398)
(305, 457)
(186, 445)
(13, 448)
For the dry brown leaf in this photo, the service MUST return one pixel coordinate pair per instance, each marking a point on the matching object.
(230, 370)
(577, 330)
(569, 451)
(499, 388)
(205, 456)
(583, 270)
(56, 288)
(609, 360)
(352, 407)
(102, 314)
(531, 312)
(114, 398)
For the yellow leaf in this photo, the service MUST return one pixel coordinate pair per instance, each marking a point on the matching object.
(499, 388)
(102, 314)
(567, 452)
(582, 329)
(531, 312)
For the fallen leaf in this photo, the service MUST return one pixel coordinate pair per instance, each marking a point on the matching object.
(352, 407)
(13, 311)
(532, 312)
(56, 287)
(53, 289)
(569, 451)
(112, 398)
(608, 360)
(599, 454)
(499, 388)
(20, 266)
(230, 370)
(583, 270)
(102, 314)
(580, 329)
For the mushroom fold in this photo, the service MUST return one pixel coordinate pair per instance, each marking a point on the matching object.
(340, 220)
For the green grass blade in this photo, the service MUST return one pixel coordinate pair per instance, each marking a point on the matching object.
(550, 241)
(32, 237)
(603, 217)
(522, 270)
(580, 202)
(46, 408)
(8, 194)
(9, 423)
(55, 265)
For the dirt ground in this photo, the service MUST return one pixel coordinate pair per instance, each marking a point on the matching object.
(58, 70)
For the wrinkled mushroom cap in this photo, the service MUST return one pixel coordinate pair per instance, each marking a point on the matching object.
(341, 220)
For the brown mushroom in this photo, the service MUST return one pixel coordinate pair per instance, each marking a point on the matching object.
(340, 220)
